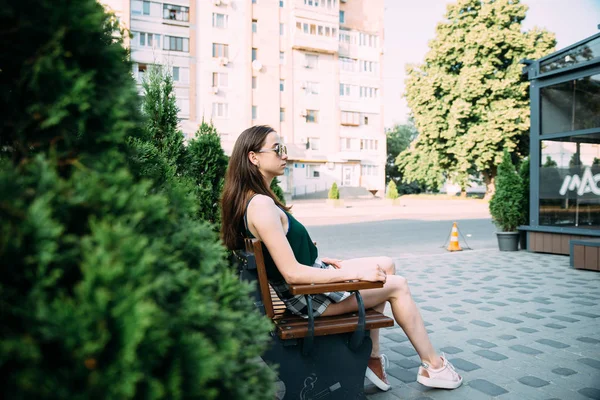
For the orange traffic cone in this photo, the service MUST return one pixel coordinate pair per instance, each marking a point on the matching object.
(454, 246)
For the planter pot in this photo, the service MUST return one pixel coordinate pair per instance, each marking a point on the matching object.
(392, 202)
(508, 241)
(335, 202)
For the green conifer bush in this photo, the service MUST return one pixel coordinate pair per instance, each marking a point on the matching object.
(392, 191)
(110, 287)
(507, 205)
(206, 164)
(278, 190)
(334, 193)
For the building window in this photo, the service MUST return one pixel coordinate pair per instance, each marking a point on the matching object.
(140, 7)
(176, 13)
(312, 116)
(368, 144)
(220, 110)
(281, 114)
(254, 82)
(350, 118)
(342, 17)
(314, 143)
(220, 50)
(175, 43)
(281, 85)
(366, 121)
(311, 61)
(254, 1)
(176, 74)
(312, 170)
(220, 20)
(347, 64)
(254, 26)
(346, 143)
(220, 79)
(365, 39)
(311, 87)
(369, 170)
(281, 57)
(254, 54)
(281, 29)
(281, 3)
(254, 112)
(369, 92)
(345, 89)
(144, 39)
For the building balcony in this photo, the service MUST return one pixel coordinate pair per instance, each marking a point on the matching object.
(314, 43)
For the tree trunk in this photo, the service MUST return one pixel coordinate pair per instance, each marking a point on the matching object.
(463, 193)
(490, 186)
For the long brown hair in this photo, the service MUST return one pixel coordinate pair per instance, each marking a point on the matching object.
(242, 180)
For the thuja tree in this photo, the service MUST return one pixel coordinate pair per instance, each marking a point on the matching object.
(277, 190)
(108, 290)
(468, 97)
(205, 165)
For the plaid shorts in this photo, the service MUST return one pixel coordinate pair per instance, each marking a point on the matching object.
(297, 304)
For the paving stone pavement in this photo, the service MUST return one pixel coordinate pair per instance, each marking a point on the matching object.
(516, 325)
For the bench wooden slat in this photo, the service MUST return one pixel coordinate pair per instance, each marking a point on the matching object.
(291, 326)
(317, 288)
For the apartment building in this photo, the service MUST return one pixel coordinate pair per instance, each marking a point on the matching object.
(309, 68)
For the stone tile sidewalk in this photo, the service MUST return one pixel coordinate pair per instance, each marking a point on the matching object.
(516, 325)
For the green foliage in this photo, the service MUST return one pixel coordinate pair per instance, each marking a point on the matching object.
(468, 97)
(206, 164)
(398, 139)
(525, 180)
(549, 163)
(507, 204)
(334, 193)
(392, 191)
(110, 288)
(278, 190)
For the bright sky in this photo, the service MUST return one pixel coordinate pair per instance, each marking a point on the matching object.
(410, 24)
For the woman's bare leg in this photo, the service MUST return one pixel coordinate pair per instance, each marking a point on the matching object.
(405, 311)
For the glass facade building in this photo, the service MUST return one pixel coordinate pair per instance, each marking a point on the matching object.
(565, 147)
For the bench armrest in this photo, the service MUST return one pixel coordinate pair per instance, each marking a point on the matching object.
(317, 288)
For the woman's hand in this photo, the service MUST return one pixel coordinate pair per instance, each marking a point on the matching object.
(372, 273)
(334, 262)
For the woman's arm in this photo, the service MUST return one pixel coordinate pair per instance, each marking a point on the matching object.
(264, 216)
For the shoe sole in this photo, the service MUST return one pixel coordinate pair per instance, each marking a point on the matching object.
(438, 383)
(376, 381)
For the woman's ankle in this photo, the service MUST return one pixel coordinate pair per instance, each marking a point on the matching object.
(435, 362)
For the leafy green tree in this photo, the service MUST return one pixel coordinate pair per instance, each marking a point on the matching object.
(398, 139)
(392, 191)
(206, 164)
(507, 203)
(469, 98)
(278, 190)
(550, 163)
(334, 192)
(108, 289)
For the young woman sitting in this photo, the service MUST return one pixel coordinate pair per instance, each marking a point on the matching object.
(250, 209)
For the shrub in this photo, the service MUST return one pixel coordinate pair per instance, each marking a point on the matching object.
(392, 191)
(110, 288)
(525, 180)
(206, 164)
(334, 193)
(506, 206)
(278, 190)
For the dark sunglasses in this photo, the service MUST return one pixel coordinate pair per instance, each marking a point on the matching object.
(279, 149)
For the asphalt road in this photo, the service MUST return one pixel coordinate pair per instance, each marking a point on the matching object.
(401, 238)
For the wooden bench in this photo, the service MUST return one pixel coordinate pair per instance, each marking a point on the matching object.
(317, 358)
(585, 254)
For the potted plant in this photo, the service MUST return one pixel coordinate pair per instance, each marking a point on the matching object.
(391, 194)
(333, 197)
(506, 206)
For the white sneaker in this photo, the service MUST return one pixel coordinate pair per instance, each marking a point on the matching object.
(445, 377)
(376, 372)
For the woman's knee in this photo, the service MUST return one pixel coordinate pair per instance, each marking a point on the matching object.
(388, 265)
(399, 284)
